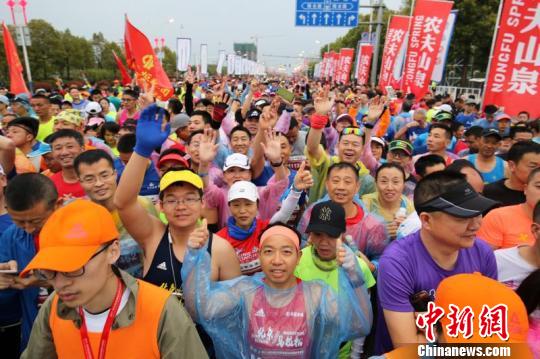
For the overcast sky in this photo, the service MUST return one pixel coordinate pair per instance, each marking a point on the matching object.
(219, 23)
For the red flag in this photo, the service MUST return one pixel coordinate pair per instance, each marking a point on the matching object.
(394, 52)
(126, 79)
(513, 77)
(364, 63)
(143, 60)
(16, 79)
(346, 57)
(427, 28)
(324, 65)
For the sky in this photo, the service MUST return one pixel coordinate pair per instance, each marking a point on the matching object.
(218, 23)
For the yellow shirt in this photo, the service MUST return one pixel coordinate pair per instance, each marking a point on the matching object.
(45, 129)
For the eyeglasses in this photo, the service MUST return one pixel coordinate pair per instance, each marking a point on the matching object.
(352, 131)
(45, 274)
(188, 201)
(128, 100)
(93, 179)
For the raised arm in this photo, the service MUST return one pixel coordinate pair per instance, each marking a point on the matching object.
(207, 153)
(246, 104)
(302, 181)
(266, 122)
(318, 122)
(7, 154)
(151, 132)
(188, 99)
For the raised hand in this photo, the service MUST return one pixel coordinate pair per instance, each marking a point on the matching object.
(272, 148)
(208, 147)
(375, 109)
(146, 98)
(198, 238)
(303, 179)
(322, 103)
(189, 76)
(8, 280)
(152, 130)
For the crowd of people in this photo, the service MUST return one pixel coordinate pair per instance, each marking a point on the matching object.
(232, 222)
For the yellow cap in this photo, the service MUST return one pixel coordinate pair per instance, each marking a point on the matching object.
(180, 176)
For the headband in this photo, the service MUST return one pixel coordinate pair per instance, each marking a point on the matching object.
(281, 231)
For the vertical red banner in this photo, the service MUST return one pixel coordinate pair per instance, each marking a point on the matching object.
(513, 77)
(324, 65)
(330, 65)
(16, 79)
(336, 75)
(141, 57)
(426, 32)
(346, 60)
(394, 51)
(364, 63)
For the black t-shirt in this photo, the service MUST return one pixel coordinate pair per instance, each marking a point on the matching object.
(497, 191)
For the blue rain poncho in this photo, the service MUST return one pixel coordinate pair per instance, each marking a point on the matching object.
(248, 319)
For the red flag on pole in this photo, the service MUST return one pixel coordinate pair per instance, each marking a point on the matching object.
(394, 52)
(143, 60)
(16, 79)
(346, 57)
(426, 32)
(365, 52)
(513, 79)
(126, 79)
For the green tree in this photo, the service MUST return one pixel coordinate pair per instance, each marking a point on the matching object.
(169, 61)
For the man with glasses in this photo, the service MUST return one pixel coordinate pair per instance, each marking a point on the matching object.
(97, 308)
(180, 199)
(129, 107)
(349, 149)
(98, 179)
(30, 200)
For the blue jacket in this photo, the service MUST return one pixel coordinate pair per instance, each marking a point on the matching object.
(16, 244)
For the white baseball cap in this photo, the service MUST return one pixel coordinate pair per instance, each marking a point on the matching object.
(243, 189)
(236, 160)
(93, 108)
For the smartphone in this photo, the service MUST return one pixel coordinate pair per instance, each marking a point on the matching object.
(285, 94)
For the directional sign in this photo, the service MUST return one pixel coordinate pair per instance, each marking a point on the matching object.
(327, 13)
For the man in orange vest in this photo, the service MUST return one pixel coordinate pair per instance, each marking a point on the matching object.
(97, 310)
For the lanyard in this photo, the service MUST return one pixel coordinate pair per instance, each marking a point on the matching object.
(106, 329)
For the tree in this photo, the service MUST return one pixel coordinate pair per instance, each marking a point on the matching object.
(169, 61)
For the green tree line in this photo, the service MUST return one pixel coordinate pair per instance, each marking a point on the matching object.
(54, 53)
(471, 41)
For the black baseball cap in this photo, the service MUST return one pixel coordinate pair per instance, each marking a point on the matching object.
(254, 114)
(461, 201)
(327, 217)
(487, 132)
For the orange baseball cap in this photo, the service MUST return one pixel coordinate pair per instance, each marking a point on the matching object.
(71, 235)
(475, 290)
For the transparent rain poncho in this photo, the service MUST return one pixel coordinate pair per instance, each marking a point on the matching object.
(248, 319)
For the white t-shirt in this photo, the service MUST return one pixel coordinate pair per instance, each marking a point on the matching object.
(96, 322)
(512, 268)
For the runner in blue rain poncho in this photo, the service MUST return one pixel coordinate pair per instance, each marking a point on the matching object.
(274, 314)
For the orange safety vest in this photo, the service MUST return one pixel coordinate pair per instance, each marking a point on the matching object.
(138, 340)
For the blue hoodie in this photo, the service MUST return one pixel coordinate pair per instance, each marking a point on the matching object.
(16, 244)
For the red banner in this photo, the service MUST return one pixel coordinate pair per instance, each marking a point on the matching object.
(364, 63)
(324, 65)
(336, 75)
(16, 79)
(330, 65)
(394, 52)
(346, 58)
(426, 32)
(143, 60)
(513, 77)
(126, 79)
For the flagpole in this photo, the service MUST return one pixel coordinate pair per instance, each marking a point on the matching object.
(495, 33)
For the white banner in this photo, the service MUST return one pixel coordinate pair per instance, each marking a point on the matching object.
(237, 65)
(204, 59)
(440, 65)
(183, 53)
(221, 61)
(230, 64)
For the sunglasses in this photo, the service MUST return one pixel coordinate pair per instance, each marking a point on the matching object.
(353, 131)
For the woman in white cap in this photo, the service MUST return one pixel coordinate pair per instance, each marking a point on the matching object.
(244, 227)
